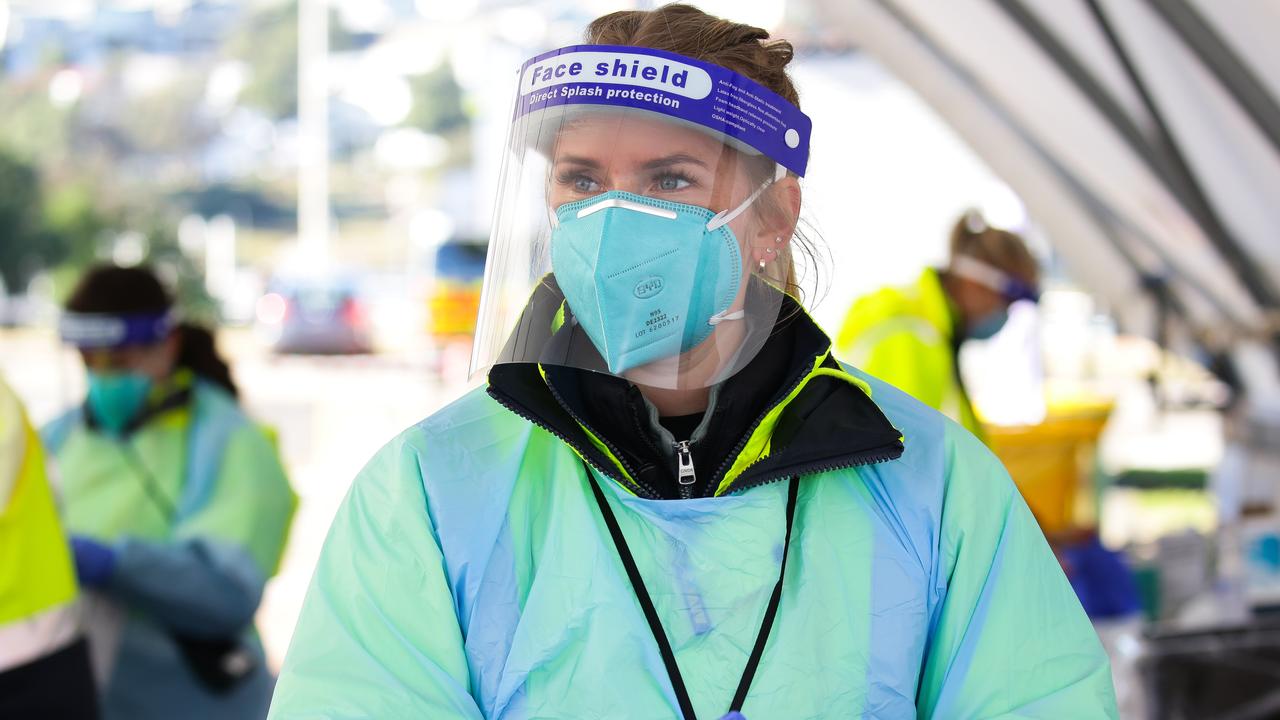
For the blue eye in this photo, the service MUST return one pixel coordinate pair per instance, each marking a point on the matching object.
(579, 181)
(672, 182)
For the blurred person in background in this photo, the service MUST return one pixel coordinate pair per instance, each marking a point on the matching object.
(671, 499)
(176, 502)
(44, 661)
(910, 336)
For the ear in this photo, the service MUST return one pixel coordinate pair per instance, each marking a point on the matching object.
(778, 218)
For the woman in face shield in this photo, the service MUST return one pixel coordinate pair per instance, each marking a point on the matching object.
(670, 499)
(910, 336)
(176, 504)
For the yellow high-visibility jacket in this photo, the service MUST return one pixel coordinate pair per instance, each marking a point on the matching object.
(906, 337)
(37, 577)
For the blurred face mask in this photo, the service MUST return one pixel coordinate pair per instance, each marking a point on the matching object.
(116, 398)
(646, 278)
(985, 327)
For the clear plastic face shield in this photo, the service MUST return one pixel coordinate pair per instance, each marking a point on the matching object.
(644, 218)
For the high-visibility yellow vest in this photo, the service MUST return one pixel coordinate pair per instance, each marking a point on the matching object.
(37, 576)
(905, 336)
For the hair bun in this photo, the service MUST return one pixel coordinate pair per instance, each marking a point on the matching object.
(686, 30)
(974, 222)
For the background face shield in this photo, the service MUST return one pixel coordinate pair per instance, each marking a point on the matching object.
(627, 241)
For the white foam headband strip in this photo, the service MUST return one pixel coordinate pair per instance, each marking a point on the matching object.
(980, 272)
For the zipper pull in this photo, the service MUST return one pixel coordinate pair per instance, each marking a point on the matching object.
(684, 463)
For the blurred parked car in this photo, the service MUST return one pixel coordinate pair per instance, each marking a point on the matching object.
(315, 315)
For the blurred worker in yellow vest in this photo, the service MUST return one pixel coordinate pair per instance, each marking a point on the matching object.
(910, 336)
(44, 661)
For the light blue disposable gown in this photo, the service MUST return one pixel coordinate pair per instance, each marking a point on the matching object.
(469, 575)
(199, 573)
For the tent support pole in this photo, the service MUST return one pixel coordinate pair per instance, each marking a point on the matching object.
(1225, 65)
(1202, 208)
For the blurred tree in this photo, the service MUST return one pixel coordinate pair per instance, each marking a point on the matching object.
(268, 43)
(74, 220)
(249, 206)
(437, 102)
(183, 273)
(31, 127)
(25, 246)
(166, 122)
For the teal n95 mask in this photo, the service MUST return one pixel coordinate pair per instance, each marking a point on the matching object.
(634, 228)
(646, 278)
(115, 399)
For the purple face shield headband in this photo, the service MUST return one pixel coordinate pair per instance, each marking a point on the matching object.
(104, 330)
(750, 116)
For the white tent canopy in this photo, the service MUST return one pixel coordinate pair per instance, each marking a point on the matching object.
(1143, 136)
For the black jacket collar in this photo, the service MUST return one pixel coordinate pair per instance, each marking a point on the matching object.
(829, 424)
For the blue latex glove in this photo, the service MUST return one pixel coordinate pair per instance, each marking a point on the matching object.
(1102, 580)
(95, 561)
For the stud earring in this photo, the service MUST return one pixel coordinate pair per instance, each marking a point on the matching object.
(769, 250)
(778, 240)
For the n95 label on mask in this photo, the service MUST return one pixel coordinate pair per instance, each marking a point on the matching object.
(658, 321)
(697, 92)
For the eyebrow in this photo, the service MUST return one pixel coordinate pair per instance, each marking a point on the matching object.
(577, 160)
(667, 161)
(676, 159)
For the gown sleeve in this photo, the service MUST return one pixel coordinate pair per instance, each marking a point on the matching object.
(208, 580)
(1008, 638)
(378, 635)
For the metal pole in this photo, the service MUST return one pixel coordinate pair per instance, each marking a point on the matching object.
(313, 131)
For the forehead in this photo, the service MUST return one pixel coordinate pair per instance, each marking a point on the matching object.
(625, 136)
(118, 356)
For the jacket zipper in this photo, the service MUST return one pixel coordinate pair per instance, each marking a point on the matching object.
(746, 437)
(684, 469)
(511, 405)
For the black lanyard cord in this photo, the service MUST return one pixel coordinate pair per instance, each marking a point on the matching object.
(651, 614)
(149, 485)
(770, 613)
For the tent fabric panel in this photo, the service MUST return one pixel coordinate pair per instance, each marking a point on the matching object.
(1249, 29)
(1236, 165)
(1027, 78)
(1073, 27)
(1051, 203)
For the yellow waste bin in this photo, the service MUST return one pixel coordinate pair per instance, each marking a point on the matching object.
(1052, 465)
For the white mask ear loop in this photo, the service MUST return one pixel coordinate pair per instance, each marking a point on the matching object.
(723, 218)
(721, 317)
(727, 216)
